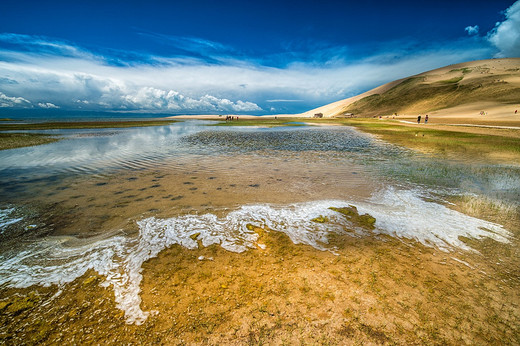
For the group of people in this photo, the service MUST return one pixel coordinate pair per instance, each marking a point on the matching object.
(425, 119)
(231, 118)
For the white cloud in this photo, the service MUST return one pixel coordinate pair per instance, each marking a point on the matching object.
(149, 98)
(13, 102)
(189, 44)
(506, 35)
(472, 30)
(47, 105)
(86, 81)
(41, 44)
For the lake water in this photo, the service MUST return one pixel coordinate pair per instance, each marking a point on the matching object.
(110, 199)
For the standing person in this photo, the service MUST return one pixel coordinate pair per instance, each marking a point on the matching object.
(426, 119)
(419, 119)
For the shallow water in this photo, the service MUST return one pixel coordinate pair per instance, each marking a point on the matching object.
(109, 199)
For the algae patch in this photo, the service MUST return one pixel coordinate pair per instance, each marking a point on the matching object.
(351, 213)
(195, 236)
(320, 219)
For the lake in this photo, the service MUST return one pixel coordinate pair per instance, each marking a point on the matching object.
(108, 201)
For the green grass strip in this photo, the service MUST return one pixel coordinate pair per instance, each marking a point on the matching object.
(84, 125)
(19, 140)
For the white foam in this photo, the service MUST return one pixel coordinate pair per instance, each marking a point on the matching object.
(404, 214)
(398, 213)
(6, 219)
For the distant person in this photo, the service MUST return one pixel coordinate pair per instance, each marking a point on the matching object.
(419, 119)
(516, 110)
(426, 119)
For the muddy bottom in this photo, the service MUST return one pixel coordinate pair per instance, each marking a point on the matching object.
(98, 204)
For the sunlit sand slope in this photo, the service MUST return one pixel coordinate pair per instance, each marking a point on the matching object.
(463, 90)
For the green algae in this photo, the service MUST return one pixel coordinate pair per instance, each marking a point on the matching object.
(351, 213)
(320, 219)
(194, 236)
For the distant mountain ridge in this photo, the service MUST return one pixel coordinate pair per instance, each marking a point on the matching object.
(456, 89)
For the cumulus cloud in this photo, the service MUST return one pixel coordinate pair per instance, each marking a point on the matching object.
(65, 81)
(13, 102)
(47, 105)
(472, 30)
(157, 99)
(506, 35)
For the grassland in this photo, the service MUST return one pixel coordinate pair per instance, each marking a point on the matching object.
(11, 140)
(495, 146)
(83, 125)
(19, 140)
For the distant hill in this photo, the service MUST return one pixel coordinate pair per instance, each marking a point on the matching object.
(462, 89)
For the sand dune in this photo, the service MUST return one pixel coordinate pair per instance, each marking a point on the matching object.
(453, 92)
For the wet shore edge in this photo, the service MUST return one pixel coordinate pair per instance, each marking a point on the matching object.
(491, 140)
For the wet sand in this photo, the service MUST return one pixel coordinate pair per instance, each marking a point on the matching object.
(376, 289)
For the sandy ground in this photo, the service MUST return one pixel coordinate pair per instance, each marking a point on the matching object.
(212, 117)
(498, 116)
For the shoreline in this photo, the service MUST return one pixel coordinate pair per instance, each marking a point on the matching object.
(493, 139)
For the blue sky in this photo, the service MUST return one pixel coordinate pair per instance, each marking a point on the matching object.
(255, 57)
